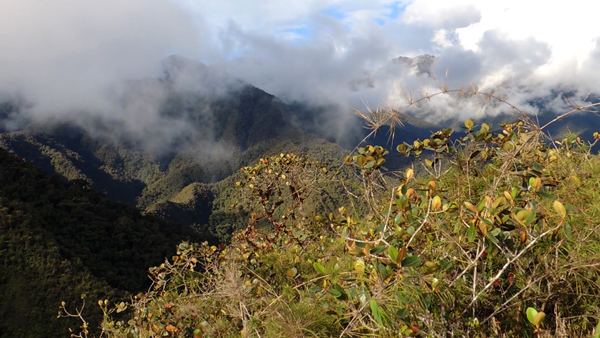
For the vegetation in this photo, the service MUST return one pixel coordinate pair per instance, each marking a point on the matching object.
(488, 234)
(61, 239)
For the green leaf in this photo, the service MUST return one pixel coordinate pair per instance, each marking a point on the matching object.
(378, 249)
(393, 252)
(445, 264)
(375, 311)
(546, 195)
(492, 238)
(597, 332)
(320, 268)
(471, 234)
(398, 218)
(568, 231)
(531, 313)
(531, 218)
(343, 294)
(335, 292)
(532, 182)
(411, 261)
(316, 289)
(403, 313)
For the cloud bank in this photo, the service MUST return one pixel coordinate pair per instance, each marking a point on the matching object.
(67, 57)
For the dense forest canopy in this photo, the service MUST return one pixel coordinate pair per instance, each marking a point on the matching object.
(61, 239)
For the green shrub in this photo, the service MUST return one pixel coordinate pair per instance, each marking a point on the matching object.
(496, 234)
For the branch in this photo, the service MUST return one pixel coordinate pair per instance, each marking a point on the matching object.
(493, 279)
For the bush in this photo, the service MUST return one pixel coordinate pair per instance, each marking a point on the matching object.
(488, 234)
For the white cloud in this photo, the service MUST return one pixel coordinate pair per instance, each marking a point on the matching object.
(64, 54)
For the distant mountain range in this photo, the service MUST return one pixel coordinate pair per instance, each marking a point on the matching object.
(228, 125)
(213, 125)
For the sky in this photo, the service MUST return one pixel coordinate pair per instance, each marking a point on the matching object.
(67, 56)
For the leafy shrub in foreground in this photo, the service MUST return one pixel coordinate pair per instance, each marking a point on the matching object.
(498, 235)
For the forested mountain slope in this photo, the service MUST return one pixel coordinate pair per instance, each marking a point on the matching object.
(61, 239)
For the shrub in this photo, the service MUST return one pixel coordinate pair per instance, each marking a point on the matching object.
(496, 234)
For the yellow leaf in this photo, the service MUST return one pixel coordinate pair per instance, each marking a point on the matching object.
(508, 146)
(539, 317)
(359, 267)
(508, 196)
(537, 183)
(499, 201)
(436, 203)
(291, 272)
(431, 266)
(469, 124)
(523, 215)
(575, 180)
(409, 174)
(471, 207)
(482, 228)
(560, 209)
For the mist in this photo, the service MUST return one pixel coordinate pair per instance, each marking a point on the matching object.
(90, 61)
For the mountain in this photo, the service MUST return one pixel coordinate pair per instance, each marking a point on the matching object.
(61, 239)
(209, 125)
(422, 64)
(206, 125)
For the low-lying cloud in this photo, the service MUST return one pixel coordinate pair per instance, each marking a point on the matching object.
(73, 59)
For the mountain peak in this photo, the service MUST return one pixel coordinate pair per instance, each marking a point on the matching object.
(423, 64)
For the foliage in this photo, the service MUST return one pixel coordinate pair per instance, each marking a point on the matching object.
(60, 239)
(497, 226)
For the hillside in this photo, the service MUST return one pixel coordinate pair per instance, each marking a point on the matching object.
(500, 238)
(61, 239)
(228, 124)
